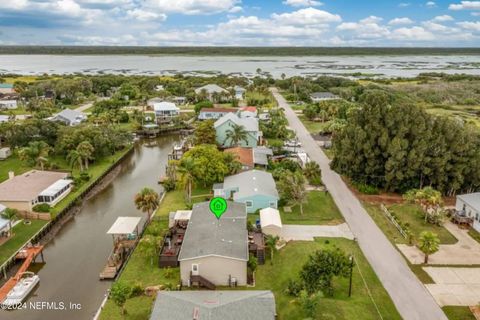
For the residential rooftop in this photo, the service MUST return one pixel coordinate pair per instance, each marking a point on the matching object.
(251, 183)
(472, 199)
(250, 124)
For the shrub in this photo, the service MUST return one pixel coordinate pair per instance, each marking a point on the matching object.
(84, 176)
(294, 287)
(136, 290)
(42, 207)
(169, 185)
(366, 189)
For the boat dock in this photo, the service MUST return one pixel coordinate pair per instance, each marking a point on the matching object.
(28, 254)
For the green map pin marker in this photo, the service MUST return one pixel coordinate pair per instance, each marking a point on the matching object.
(218, 206)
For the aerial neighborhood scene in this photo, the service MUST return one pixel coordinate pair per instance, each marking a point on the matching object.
(239, 160)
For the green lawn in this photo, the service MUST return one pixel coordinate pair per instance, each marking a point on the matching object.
(19, 111)
(312, 126)
(474, 234)
(22, 233)
(12, 164)
(320, 209)
(140, 271)
(458, 313)
(287, 264)
(407, 213)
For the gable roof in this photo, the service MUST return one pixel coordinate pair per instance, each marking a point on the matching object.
(165, 106)
(71, 115)
(249, 109)
(210, 88)
(270, 217)
(244, 155)
(220, 110)
(29, 185)
(208, 236)
(260, 155)
(472, 199)
(251, 183)
(250, 124)
(214, 305)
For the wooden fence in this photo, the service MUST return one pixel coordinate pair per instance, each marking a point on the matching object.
(36, 238)
(393, 221)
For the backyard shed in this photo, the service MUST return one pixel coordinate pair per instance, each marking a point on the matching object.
(271, 221)
(5, 153)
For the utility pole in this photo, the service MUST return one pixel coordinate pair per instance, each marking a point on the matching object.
(351, 276)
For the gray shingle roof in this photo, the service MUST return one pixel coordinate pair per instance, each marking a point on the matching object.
(211, 88)
(207, 236)
(472, 199)
(250, 183)
(260, 155)
(323, 95)
(214, 305)
(71, 115)
(250, 124)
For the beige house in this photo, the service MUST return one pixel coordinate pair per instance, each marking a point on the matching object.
(215, 250)
(23, 192)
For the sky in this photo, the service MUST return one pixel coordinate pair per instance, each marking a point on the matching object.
(441, 23)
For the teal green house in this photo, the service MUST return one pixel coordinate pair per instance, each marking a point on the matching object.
(255, 188)
(228, 121)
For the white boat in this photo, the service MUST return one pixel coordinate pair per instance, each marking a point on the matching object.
(21, 290)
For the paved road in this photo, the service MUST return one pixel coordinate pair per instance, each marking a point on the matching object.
(410, 296)
(308, 233)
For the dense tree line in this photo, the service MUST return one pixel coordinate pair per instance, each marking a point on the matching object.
(393, 144)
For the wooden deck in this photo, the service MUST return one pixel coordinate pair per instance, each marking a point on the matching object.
(29, 254)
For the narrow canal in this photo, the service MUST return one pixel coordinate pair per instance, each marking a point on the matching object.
(80, 250)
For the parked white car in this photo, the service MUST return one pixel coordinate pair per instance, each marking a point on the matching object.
(292, 143)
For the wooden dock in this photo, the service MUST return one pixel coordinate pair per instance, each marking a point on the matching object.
(29, 254)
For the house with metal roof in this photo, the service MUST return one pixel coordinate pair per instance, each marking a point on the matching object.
(251, 157)
(228, 121)
(214, 113)
(165, 112)
(24, 191)
(211, 90)
(323, 96)
(248, 112)
(214, 305)
(215, 251)
(255, 188)
(468, 206)
(69, 117)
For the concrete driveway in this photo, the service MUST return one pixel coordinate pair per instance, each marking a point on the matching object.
(308, 233)
(465, 252)
(455, 286)
(409, 295)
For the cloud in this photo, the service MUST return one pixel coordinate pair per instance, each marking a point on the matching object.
(430, 4)
(404, 4)
(368, 28)
(413, 34)
(443, 18)
(475, 14)
(302, 3)
(465, 5)
(143, 15)
(437, 27)
(398, 21)
(192, 7)
(307, 16)
(236, 9)
(470, 25)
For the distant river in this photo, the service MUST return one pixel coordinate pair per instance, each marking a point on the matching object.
(380, 66)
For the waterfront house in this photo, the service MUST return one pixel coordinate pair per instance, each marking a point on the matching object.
(69, 117)
(8, 104)
(214, 305)
(239, 92)
(467, 206)
(248, 112)
(4, 118)
(214, 113)
(4, 223)
(165, 112)
(24, 191)
(215, 251)
(323, 96)
(250, 157)
(151, 102)
(227, 122)
(255, 188)
(212, 91)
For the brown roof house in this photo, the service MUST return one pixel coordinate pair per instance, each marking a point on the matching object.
(24, 191)
(250, 157)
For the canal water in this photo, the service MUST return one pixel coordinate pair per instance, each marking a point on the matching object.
(79, 251)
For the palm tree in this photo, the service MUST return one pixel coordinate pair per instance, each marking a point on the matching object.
(147, 200)
(11, 215)
(186, 170)
(35, 153)
(75, 159)
(313, 172)
(85, 151)
(271, 243)
(429, 199)
(236, 135)
(148, 247)
(429, 243)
